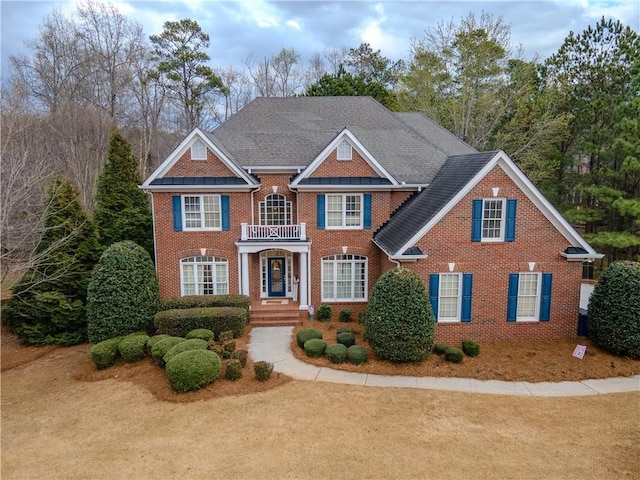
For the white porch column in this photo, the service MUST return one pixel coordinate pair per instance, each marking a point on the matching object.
(244, 273)
(304, 282)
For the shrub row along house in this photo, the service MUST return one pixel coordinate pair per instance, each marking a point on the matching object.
(307, 201)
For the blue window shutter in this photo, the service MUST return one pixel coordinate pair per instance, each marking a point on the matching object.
(476, 221)
(467, 286)
(320, 214)
(512, 305)
(434, 281)
(177, 213)
(224, 205)
(367, 211)
(510, 230)
(545, 300)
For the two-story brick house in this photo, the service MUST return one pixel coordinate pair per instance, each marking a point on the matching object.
(309, 200)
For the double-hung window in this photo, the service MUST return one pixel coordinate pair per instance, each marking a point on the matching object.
(529, 297)
(450, 296)
(494, 220)
(204, 275)
(344, 277)
(201, 212)
(344, 211)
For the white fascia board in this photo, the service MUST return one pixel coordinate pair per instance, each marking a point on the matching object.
(353, 188)
(509, 167)
(355, 143)
(180, 150)
(198, 188)
(581, 257)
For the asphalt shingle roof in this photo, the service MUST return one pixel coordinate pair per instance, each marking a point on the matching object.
(416, 213)
(294, 131)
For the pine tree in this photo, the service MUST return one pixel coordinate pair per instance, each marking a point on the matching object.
(122, 210)
(48, 302)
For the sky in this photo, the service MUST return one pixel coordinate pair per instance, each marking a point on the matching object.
(240, 29)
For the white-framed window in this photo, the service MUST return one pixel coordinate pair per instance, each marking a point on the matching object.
(275, 210)
(345, 151)
(344, 211)
(201, 212)
(493, 219)
(528, 306)
(344, 277)
(198, 151)
(449, 297)
(204, 275)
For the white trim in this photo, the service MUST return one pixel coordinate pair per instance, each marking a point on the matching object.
(458, 316)
(538, 299)
(215, 263)
(180, 150)
(506, 164)
(343, 211)
(358, 188)
(202, 227)
(353, 260)
(341, 151)
(503, 220)
(355, 144)
(200, 144)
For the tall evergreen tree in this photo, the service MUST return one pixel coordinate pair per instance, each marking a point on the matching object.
(48, 302)
(594, 71)
(122, 210)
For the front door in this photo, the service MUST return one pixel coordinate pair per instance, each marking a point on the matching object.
(276, 276)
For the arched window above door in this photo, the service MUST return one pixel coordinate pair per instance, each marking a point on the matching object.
(275, 210)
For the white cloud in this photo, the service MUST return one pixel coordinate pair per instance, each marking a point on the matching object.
(294, 24)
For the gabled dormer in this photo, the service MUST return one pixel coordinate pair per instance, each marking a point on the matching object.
(200, 162)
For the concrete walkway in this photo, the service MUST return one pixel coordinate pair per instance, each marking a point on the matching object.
(272, 344)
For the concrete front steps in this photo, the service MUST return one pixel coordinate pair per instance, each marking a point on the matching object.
(275, 313)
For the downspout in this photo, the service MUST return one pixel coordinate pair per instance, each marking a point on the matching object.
(394, 261)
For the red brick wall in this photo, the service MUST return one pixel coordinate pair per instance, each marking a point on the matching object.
(211, 167)
(537, 240)
(332, 167)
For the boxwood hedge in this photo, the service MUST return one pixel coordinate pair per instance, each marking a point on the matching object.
(193, 369)
(179, 322)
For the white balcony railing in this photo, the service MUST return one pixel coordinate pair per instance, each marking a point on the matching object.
(273, 232)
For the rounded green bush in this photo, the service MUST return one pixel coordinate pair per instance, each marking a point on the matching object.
(613, 315)
(193, 369)
(132, 347)
(162, 347)
(262, 370)
(307, 334)
(315, 347)
(202, 333)
(399, 322)
(342, 330)
(233, 371)
(324, 313)
(357, 354)
(122, 296)
(105, 353)
(440, 348)
(155, 339)
(454, 355)
(191, 344)
(471, 348)
(346, 338)
(336, 353)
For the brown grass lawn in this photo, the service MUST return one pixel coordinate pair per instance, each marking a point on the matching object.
(60, 422)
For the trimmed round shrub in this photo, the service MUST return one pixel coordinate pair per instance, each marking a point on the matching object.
(336, 353)
(342, 330)
(307, 334)
(262, 370)
(399, 322)
(471, 348)
(105, 353)
(440, 348)
(233, 371)
(122, 296)
(193, 369)
(155, 339)
(357, 354)
(217, 349)
(345, 315)
(201, 333)
(132, 347)
(241, 356)
(324, 313)
(191, 344)
(454, 355)
(315, 347)
(613, 316)
(160, 349)
(346, 338)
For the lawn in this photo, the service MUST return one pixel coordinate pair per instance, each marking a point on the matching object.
(56, 426)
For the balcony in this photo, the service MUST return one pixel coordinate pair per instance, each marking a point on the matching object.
(273, 232)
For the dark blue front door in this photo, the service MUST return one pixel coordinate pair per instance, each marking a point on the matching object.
(276, 276)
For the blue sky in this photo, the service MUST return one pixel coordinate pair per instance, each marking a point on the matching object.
(259, 28)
